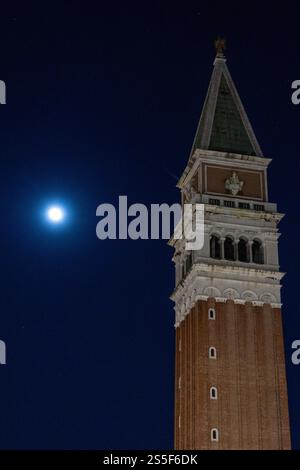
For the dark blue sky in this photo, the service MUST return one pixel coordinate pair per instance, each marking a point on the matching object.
(98, 106)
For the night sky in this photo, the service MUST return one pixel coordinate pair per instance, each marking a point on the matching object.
(98, 106)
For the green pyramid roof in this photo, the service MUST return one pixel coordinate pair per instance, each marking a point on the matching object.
(224, 125)
(228, 132)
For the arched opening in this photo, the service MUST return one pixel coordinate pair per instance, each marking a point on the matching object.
(214, 435)
(213, 393)
(183, 271)
(212, 353)
(243, 250)
(229, 249)
(211, 314)
(257, 252)
(215, 247)
(188, 262)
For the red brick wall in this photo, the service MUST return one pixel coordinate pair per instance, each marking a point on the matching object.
(252, 408)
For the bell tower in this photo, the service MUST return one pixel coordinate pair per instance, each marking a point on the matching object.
(230, 390)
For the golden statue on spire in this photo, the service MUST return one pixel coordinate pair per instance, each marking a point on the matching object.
(220, 45)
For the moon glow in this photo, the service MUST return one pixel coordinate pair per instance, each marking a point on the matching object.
(55, 214)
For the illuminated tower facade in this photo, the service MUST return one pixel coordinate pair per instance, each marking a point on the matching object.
(230, 390)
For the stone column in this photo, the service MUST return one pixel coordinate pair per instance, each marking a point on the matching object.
(250, 251)
(222, 240)
(236, 250)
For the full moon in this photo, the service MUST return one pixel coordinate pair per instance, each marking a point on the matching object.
(55, 214)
